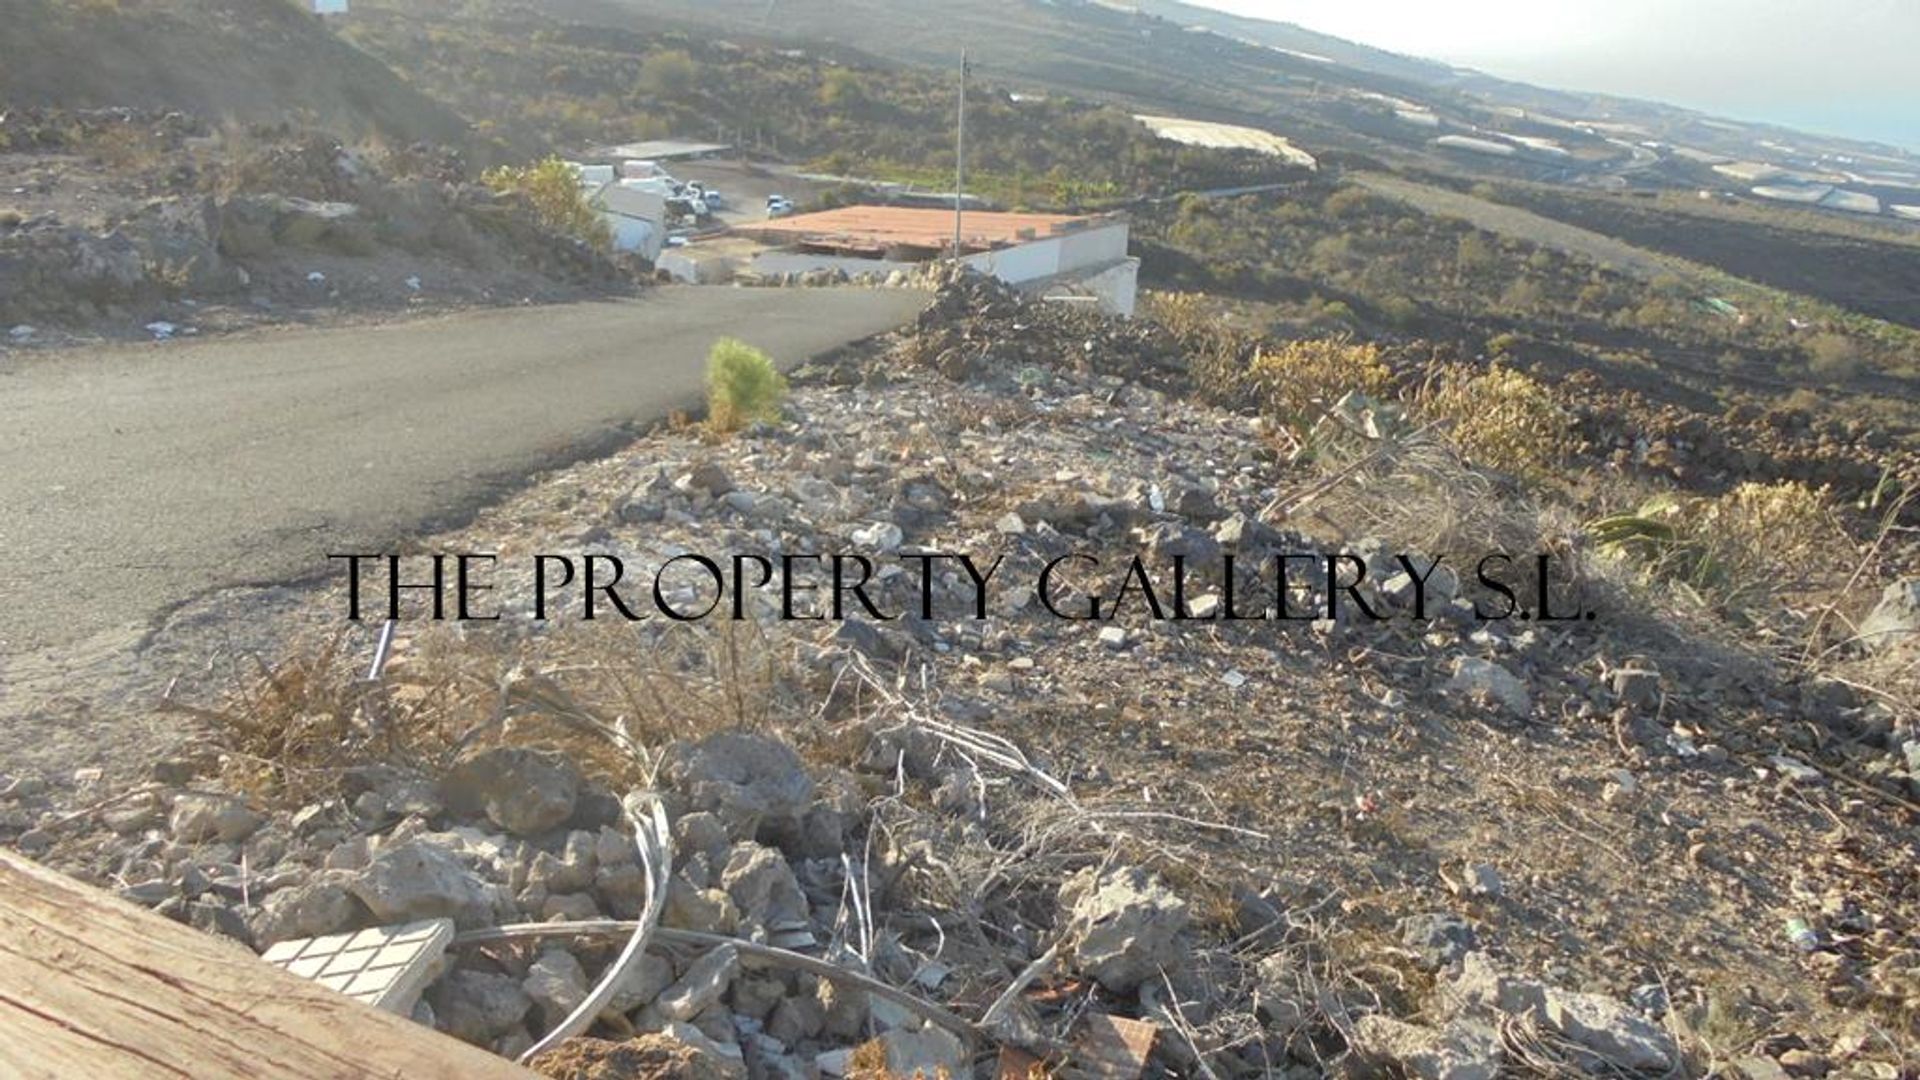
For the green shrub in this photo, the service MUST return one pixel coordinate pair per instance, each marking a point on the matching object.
(668, 73)
(552, 191)
(742, 386)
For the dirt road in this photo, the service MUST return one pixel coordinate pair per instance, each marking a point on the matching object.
(136, 478)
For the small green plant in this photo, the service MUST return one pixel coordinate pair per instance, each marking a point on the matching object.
(742, 386)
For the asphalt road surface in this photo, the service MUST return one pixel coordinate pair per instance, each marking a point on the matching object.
(135, 478)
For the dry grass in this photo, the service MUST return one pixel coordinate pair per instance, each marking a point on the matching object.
(608, 699)
(1743, 550)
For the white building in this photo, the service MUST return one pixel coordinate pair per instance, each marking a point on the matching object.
(1048, 254)
(636, 216)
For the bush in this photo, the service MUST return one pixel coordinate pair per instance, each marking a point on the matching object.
(1299, 380)
(1833, 357)
(667, 74)
(1218, 356)
(841, 89)
(1500, 418)
(552, 191)
(742, 386)
(1742, 547)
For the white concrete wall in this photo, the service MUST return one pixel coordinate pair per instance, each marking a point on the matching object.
(643, 238)
(1118, 287)
(1093, 247)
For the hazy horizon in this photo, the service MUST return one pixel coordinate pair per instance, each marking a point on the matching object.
(1840, 68)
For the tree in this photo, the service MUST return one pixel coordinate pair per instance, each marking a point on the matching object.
(669, 73)
(842, 91)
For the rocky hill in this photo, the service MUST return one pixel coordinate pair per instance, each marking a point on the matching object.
(245, 61)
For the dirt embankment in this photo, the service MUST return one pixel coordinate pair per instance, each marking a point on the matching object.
(129, 223)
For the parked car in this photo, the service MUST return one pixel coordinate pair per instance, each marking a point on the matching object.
(779, 206)
(711, 196)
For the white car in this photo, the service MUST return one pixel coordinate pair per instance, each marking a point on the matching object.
(779, 206)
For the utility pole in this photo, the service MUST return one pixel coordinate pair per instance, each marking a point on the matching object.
(960, 158)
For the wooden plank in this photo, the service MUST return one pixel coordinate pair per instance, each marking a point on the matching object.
(93, 986)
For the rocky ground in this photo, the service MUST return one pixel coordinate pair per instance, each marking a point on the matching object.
(119, 223)
(1641, 844)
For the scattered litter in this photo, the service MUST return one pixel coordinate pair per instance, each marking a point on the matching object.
(413, 282)
(316, 277)
(22, 332)
(1113, 1047)
(1234, 679)
(161, 329)
(1804, 937)
(386, 967)
(1795, 770)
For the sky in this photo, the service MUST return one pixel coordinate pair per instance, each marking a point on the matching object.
(1845, 67)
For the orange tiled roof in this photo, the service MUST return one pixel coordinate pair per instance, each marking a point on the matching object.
(880, 227)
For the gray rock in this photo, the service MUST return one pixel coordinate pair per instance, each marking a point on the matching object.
(147, 893)
(726, 1056)
(1439, 938)
(1636, 688)
(570, 907)
(216, 917)
(706, 478)
(1461, 1051)
(763, 887)
(557, 985)
(741, 778)
(641, 984)
(1476, 677)
(1482, 991)
(479, 1006)
(622, 889)
(704, 984)
(1610, 1031)
(709, 911)
(931, 1051)
(757, 994)
(559, 873)
(796, 1019)
(416, 880)
(1279, 1005)
(143, 811)
(526, 792)
(1483, 880)
(699, 832)
(321, 905)
(1895, 620)
(1244, 535)
(200, 817)
(1124, 927)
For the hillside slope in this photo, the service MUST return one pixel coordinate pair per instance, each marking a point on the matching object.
(238, 60)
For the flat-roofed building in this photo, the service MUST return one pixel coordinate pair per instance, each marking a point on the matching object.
(1053, 254)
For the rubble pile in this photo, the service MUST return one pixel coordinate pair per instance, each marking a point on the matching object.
(1439, 846)
(977, 324)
